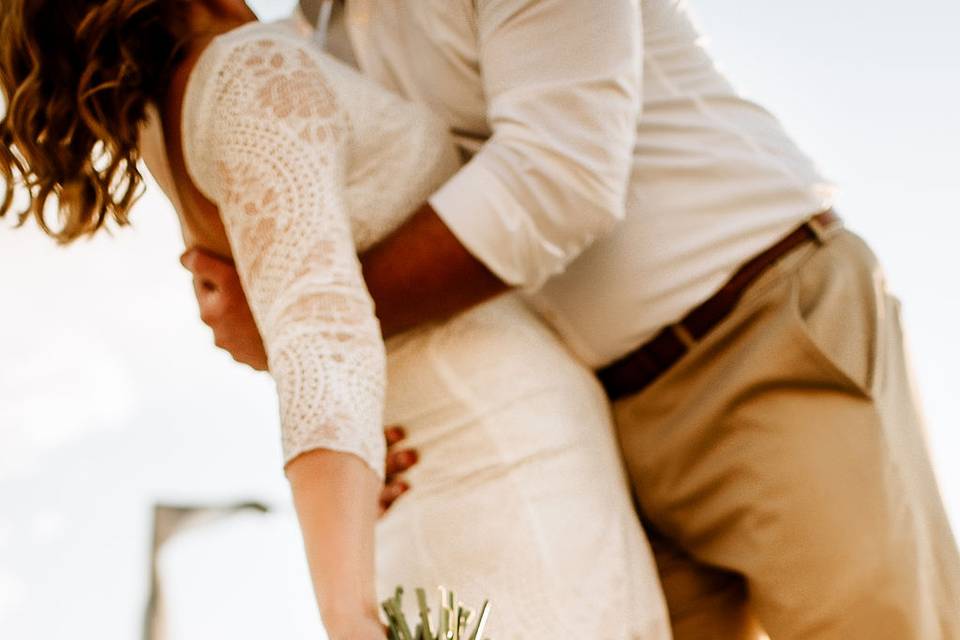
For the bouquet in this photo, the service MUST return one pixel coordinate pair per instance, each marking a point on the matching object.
(453, 621)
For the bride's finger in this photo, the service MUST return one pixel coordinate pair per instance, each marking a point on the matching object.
(400, 461)
(212, 304)
(394, 434)
(390, 493)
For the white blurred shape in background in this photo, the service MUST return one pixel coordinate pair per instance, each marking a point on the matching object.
(247, 560)
(65, 388)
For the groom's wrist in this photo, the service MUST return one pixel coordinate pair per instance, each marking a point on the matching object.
(422, 273)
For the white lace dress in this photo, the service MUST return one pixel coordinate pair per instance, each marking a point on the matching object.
(520, 495)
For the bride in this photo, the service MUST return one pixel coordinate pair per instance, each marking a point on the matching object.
(280, 157)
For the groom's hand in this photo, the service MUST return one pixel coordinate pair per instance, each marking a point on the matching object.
(223, 307)
(398, 461)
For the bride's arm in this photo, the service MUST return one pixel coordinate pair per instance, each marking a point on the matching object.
(265, 138)
(336, 500)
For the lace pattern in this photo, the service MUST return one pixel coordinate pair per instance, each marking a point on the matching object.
(267, 141)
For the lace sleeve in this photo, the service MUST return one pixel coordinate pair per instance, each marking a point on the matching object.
(268, 145)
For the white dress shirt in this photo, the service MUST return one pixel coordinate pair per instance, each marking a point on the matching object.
(616, 175)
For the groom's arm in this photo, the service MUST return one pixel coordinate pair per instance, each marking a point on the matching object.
(422, 272)
(552, 178)
(562, 84)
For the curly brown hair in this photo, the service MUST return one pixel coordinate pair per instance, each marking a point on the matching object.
(77, 77)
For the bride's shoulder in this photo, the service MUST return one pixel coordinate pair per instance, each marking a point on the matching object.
(259, 50)
(260, 68)
(259, 86)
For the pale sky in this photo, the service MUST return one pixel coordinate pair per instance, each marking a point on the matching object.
(112, 396)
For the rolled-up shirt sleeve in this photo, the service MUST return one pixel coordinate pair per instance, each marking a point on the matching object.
(562, 79)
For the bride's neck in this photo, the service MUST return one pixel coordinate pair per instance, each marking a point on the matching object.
(203, 26)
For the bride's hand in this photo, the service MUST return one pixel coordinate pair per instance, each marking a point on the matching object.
(223, 307)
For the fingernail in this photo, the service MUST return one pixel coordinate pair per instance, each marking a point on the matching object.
(409, 458)
(187, 260)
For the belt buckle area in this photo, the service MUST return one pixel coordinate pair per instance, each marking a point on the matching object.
(821, 230)
(818, 230)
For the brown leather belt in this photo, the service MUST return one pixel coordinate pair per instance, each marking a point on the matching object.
(639, 369)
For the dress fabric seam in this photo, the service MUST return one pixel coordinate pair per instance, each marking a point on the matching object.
(466, 396)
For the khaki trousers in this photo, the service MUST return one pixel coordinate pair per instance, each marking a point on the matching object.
(783, 472)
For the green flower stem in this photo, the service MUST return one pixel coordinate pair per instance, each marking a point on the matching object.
(453, 618)
(481, 622)
(427, 631)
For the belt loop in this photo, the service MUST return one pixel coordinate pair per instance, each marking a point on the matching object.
(819, 231)
(683, 335)
(823, 226)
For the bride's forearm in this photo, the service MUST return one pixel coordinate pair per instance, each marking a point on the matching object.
(336, 495)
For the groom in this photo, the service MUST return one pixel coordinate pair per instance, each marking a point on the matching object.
(680, 243)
